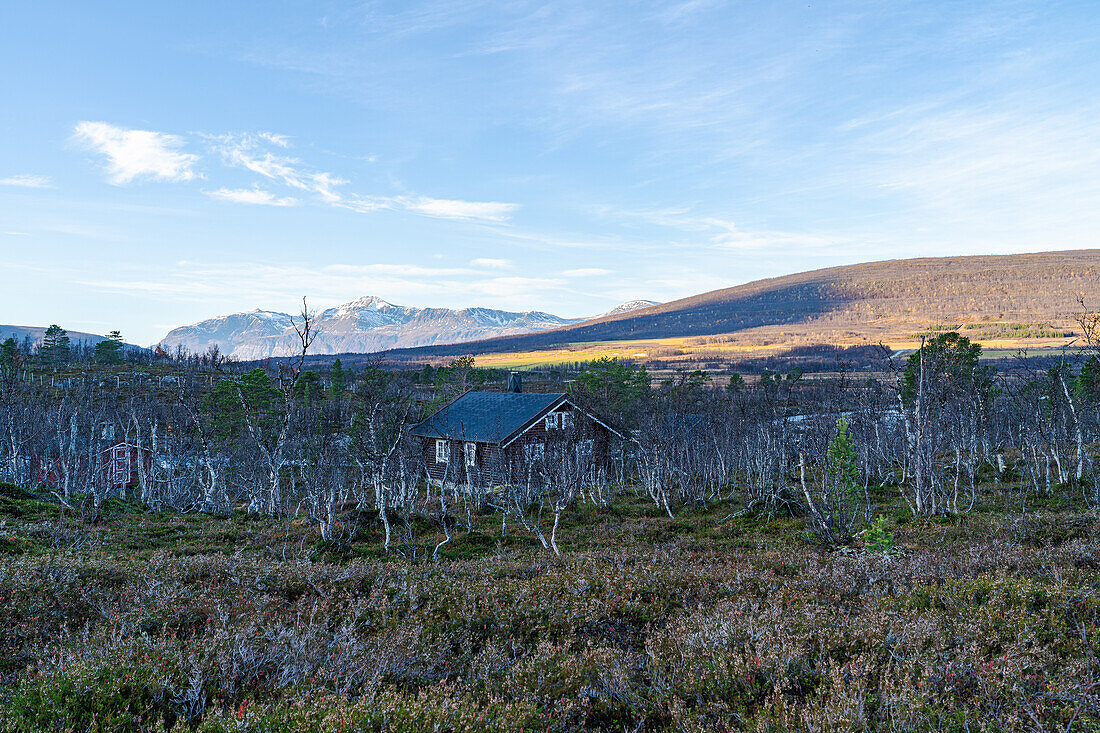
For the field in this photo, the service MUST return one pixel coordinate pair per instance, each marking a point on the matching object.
(705, 351)
(715, 620)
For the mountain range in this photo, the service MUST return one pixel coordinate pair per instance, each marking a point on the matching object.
(365, 325)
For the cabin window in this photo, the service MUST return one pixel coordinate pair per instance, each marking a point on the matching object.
(471, 454)
(534, 451)
(551, 421)
(566, 420)
(586, 447)
(442, 451)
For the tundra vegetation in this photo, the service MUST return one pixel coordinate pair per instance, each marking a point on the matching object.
(909, 549)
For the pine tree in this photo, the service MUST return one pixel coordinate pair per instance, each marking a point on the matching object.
(834, 501)
(9, 356)
(109, 350)
(338, 380)
(307, 386)
(951, 362)
(842, 459)
(55, 345)
(1087, 384)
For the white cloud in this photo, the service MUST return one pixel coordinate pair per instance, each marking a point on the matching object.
(586, 272)
(494, 211)
(25, 180)
(515, 287)
(244, 285)
(282, 141)
(136, 154)
(401, 270)
(251, 196)
(496, 264)
(244, 151)
(18, 234)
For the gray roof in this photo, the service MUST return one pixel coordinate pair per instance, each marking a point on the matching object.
(486, 417)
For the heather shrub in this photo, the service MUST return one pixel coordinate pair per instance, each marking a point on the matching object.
(984, 623)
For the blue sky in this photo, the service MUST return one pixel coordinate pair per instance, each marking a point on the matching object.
(165, 162)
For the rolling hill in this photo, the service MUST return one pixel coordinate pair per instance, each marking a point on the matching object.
(998, 299)
(35, 334)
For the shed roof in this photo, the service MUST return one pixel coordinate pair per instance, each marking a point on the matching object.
(486, 417)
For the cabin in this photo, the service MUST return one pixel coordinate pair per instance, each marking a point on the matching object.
(491, 438)
(121, 464)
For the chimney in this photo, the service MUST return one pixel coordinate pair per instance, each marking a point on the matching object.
(515, 383)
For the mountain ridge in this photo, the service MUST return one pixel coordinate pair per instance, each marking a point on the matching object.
(863, 303)
(364, 325)
(36, 334)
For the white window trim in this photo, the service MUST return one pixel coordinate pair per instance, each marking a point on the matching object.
(470, 452)
(566, 420)
(534, 451)
(550, 420)
(575, 410)
(442, 451)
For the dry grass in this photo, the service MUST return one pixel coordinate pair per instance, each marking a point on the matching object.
(704, 622)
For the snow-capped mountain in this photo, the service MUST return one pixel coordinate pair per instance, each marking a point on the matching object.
(361, 326)
(629, 306)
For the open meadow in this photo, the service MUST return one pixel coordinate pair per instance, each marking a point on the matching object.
(714, 620)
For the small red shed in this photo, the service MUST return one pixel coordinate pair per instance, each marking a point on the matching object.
(120, 464)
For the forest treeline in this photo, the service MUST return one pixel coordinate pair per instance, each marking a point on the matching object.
(282, 441)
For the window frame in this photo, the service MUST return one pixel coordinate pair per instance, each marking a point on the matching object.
(534, 451)
(442, 451)
(550, 421)
(469, 453)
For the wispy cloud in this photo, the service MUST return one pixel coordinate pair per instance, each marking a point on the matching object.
(251, 196)
(994, 169)
(27, 181)
(401, 270)
(493, 211)
(586, 272)
(134, 154)
(248, 152)
(145, 154)
(493, 263)
(282, 141)
(245, 285)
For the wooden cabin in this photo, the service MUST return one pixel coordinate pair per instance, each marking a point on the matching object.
(493, 438)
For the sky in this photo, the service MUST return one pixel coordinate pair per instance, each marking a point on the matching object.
(162, 163)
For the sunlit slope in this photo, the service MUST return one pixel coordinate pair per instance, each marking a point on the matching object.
(999, 299)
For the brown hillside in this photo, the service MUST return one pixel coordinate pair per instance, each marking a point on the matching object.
(996, 297)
